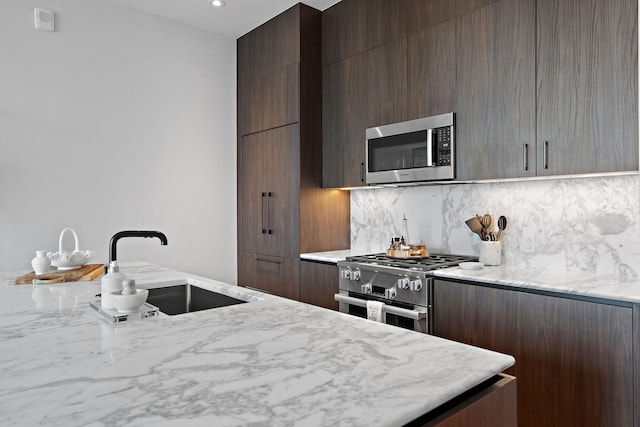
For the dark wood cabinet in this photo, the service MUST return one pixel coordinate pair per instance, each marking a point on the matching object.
(495, 100)
(431, 69)
(587, 84)
(318, 284)
(344, 31)
(269, 213)
(282, 208)
(576, 363)
(428, 13)
(387, 83)
(272, 46)
(475, 315)
(539, 88)
(387, 20)
(270, 101)
(344, 113)
(574, 358)
(271, 274)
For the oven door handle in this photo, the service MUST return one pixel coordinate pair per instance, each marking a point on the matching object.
(402, 312)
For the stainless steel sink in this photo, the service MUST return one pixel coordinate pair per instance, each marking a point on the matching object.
(186, 298)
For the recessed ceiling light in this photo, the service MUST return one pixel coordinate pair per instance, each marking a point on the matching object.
(216, 3)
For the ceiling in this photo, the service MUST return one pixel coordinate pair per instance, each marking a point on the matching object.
(236, 18)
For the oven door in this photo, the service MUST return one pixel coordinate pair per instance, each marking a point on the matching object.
(407, 316)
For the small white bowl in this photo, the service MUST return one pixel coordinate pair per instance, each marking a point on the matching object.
(471, 265)
(129, 303)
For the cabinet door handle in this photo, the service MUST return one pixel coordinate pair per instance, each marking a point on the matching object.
(525, 157)
(268, 260)
(264, 230)
(269, 230)
(545, 155)
(362, 176)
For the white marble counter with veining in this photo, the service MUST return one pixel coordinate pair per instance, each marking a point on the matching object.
(609, 287)
(270, 362)
(331, 257)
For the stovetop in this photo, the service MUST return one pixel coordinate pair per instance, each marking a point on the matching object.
(432, 262)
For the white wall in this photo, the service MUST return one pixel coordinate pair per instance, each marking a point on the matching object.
(118, 120)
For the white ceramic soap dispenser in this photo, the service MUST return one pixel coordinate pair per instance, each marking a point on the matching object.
(111, 282)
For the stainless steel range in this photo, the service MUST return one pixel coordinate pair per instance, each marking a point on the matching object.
(404, 286)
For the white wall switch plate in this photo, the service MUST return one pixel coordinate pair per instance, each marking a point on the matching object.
(43, 19)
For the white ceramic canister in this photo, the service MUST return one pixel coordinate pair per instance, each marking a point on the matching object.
(490, 252)
(41, 263)
(111, 282)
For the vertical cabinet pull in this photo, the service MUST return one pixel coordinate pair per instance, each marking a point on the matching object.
(265, 213)
(545, 155)
(269, 230)
(525, 157)
(264, 230)
(362, 172)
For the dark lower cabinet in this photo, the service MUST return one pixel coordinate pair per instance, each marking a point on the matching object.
(574, 359)
(318, 284)
(475, 315)
(576, 363)
(275, 275)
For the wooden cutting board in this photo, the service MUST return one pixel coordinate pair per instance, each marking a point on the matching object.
(86, 273)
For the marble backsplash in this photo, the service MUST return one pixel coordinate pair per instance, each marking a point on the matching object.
(579, 224)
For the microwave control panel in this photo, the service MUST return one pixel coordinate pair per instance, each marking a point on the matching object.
(443, 146)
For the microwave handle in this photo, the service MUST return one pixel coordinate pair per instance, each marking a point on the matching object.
(402, 312)
(429, 147)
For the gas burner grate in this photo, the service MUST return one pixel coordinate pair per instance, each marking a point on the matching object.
(432, 262)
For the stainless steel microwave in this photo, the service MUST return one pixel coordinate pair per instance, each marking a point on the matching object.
(413, 151)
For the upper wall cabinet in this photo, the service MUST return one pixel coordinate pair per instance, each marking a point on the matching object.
(344, 32)
(495, 100)
(427, 13)
(546, 87)
(269, 59)
(431, 70)
(270, 47)
(270, 101)
(387, 84)
(344, 116)
(587, 84)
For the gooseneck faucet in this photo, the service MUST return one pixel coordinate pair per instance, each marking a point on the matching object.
(133, 233)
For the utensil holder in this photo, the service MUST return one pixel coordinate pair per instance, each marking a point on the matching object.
(490, 252)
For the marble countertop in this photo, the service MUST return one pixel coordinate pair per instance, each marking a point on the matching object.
(549, 280)
(269, 362)
(609, 287)
(331, 257)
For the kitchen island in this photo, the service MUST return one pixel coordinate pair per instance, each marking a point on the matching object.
(271, 361)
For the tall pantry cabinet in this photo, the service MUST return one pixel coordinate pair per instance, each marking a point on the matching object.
(282, 209)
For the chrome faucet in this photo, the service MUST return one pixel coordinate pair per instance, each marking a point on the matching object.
(133, 233)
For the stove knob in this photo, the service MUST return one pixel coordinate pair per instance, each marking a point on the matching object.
(416, 285)
(390, 293)
(403, 283)
(345, 274)
(365, 289)
(355, 275)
